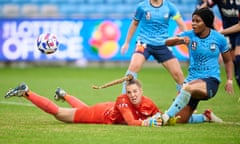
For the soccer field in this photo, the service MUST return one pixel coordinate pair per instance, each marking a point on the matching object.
(23, 123)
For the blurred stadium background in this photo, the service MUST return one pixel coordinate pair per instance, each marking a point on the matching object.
(79, 8)
(90, 31)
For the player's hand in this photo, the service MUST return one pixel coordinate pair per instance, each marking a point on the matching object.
(154, 121)
(229, 87)
(158, 115)
(177, 41)
(124, 48)
(186, 40)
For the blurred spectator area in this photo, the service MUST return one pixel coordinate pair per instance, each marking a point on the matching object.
(80, 8)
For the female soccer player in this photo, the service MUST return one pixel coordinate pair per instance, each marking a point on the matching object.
(152, 17)
(205, 46)
(230, 14)
(132, 108)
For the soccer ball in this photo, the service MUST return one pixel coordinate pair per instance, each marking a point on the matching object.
(47, 43)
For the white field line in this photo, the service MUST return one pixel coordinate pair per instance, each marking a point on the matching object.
(231, 123)
(16, 103)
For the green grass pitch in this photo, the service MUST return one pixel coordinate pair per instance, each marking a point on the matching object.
(23, 123)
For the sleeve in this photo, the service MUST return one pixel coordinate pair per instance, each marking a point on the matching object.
(183, 34)
(223, 44)
(125, 109)
(174, 12)
(149, 108)
(139, 13)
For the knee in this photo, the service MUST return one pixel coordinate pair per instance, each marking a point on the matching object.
(178, 76)
(64, 119)
(134, 67)
(186, 87)
(66, 115)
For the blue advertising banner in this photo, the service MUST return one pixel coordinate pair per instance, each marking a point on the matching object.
(80, 39)
(92, 40)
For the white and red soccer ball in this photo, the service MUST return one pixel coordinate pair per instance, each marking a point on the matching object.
(47, 43)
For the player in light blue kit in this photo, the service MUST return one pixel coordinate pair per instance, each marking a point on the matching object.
(152, 17)
(205, 46)
(230, 14)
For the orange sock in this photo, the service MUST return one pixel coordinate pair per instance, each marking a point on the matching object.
(42, 102)
(74, 102)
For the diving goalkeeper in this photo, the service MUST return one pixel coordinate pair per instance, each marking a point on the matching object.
(131, 108)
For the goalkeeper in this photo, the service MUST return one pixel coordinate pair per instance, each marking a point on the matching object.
(131, 108)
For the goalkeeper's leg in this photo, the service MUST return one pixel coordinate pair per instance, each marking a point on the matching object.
(60, 94)
(62, 114)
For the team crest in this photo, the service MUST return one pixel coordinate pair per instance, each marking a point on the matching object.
(166, 16)
(212, 46)
(194, 45)
(148, 15)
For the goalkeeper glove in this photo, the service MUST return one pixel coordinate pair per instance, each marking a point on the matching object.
(154, 121)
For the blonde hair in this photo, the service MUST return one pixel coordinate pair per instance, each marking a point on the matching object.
(134, 81)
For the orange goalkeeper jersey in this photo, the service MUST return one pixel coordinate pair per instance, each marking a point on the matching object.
(120, 112)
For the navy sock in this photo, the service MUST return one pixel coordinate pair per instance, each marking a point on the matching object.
(237, 69)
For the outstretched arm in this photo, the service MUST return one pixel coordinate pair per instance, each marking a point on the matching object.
(233, 29)
(177, 41)
(229, 71)
(129, 119)
(153, 121)
(128, 113)
(181, 24)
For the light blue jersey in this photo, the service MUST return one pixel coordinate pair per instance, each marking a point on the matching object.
(154, 21)
(204, 54)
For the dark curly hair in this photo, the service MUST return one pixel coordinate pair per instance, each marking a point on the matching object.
(206, 15)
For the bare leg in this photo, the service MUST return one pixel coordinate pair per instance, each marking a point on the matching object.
(175, 70)
(185, 114)
(66, 115)
(134, 67)
(136, 62)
